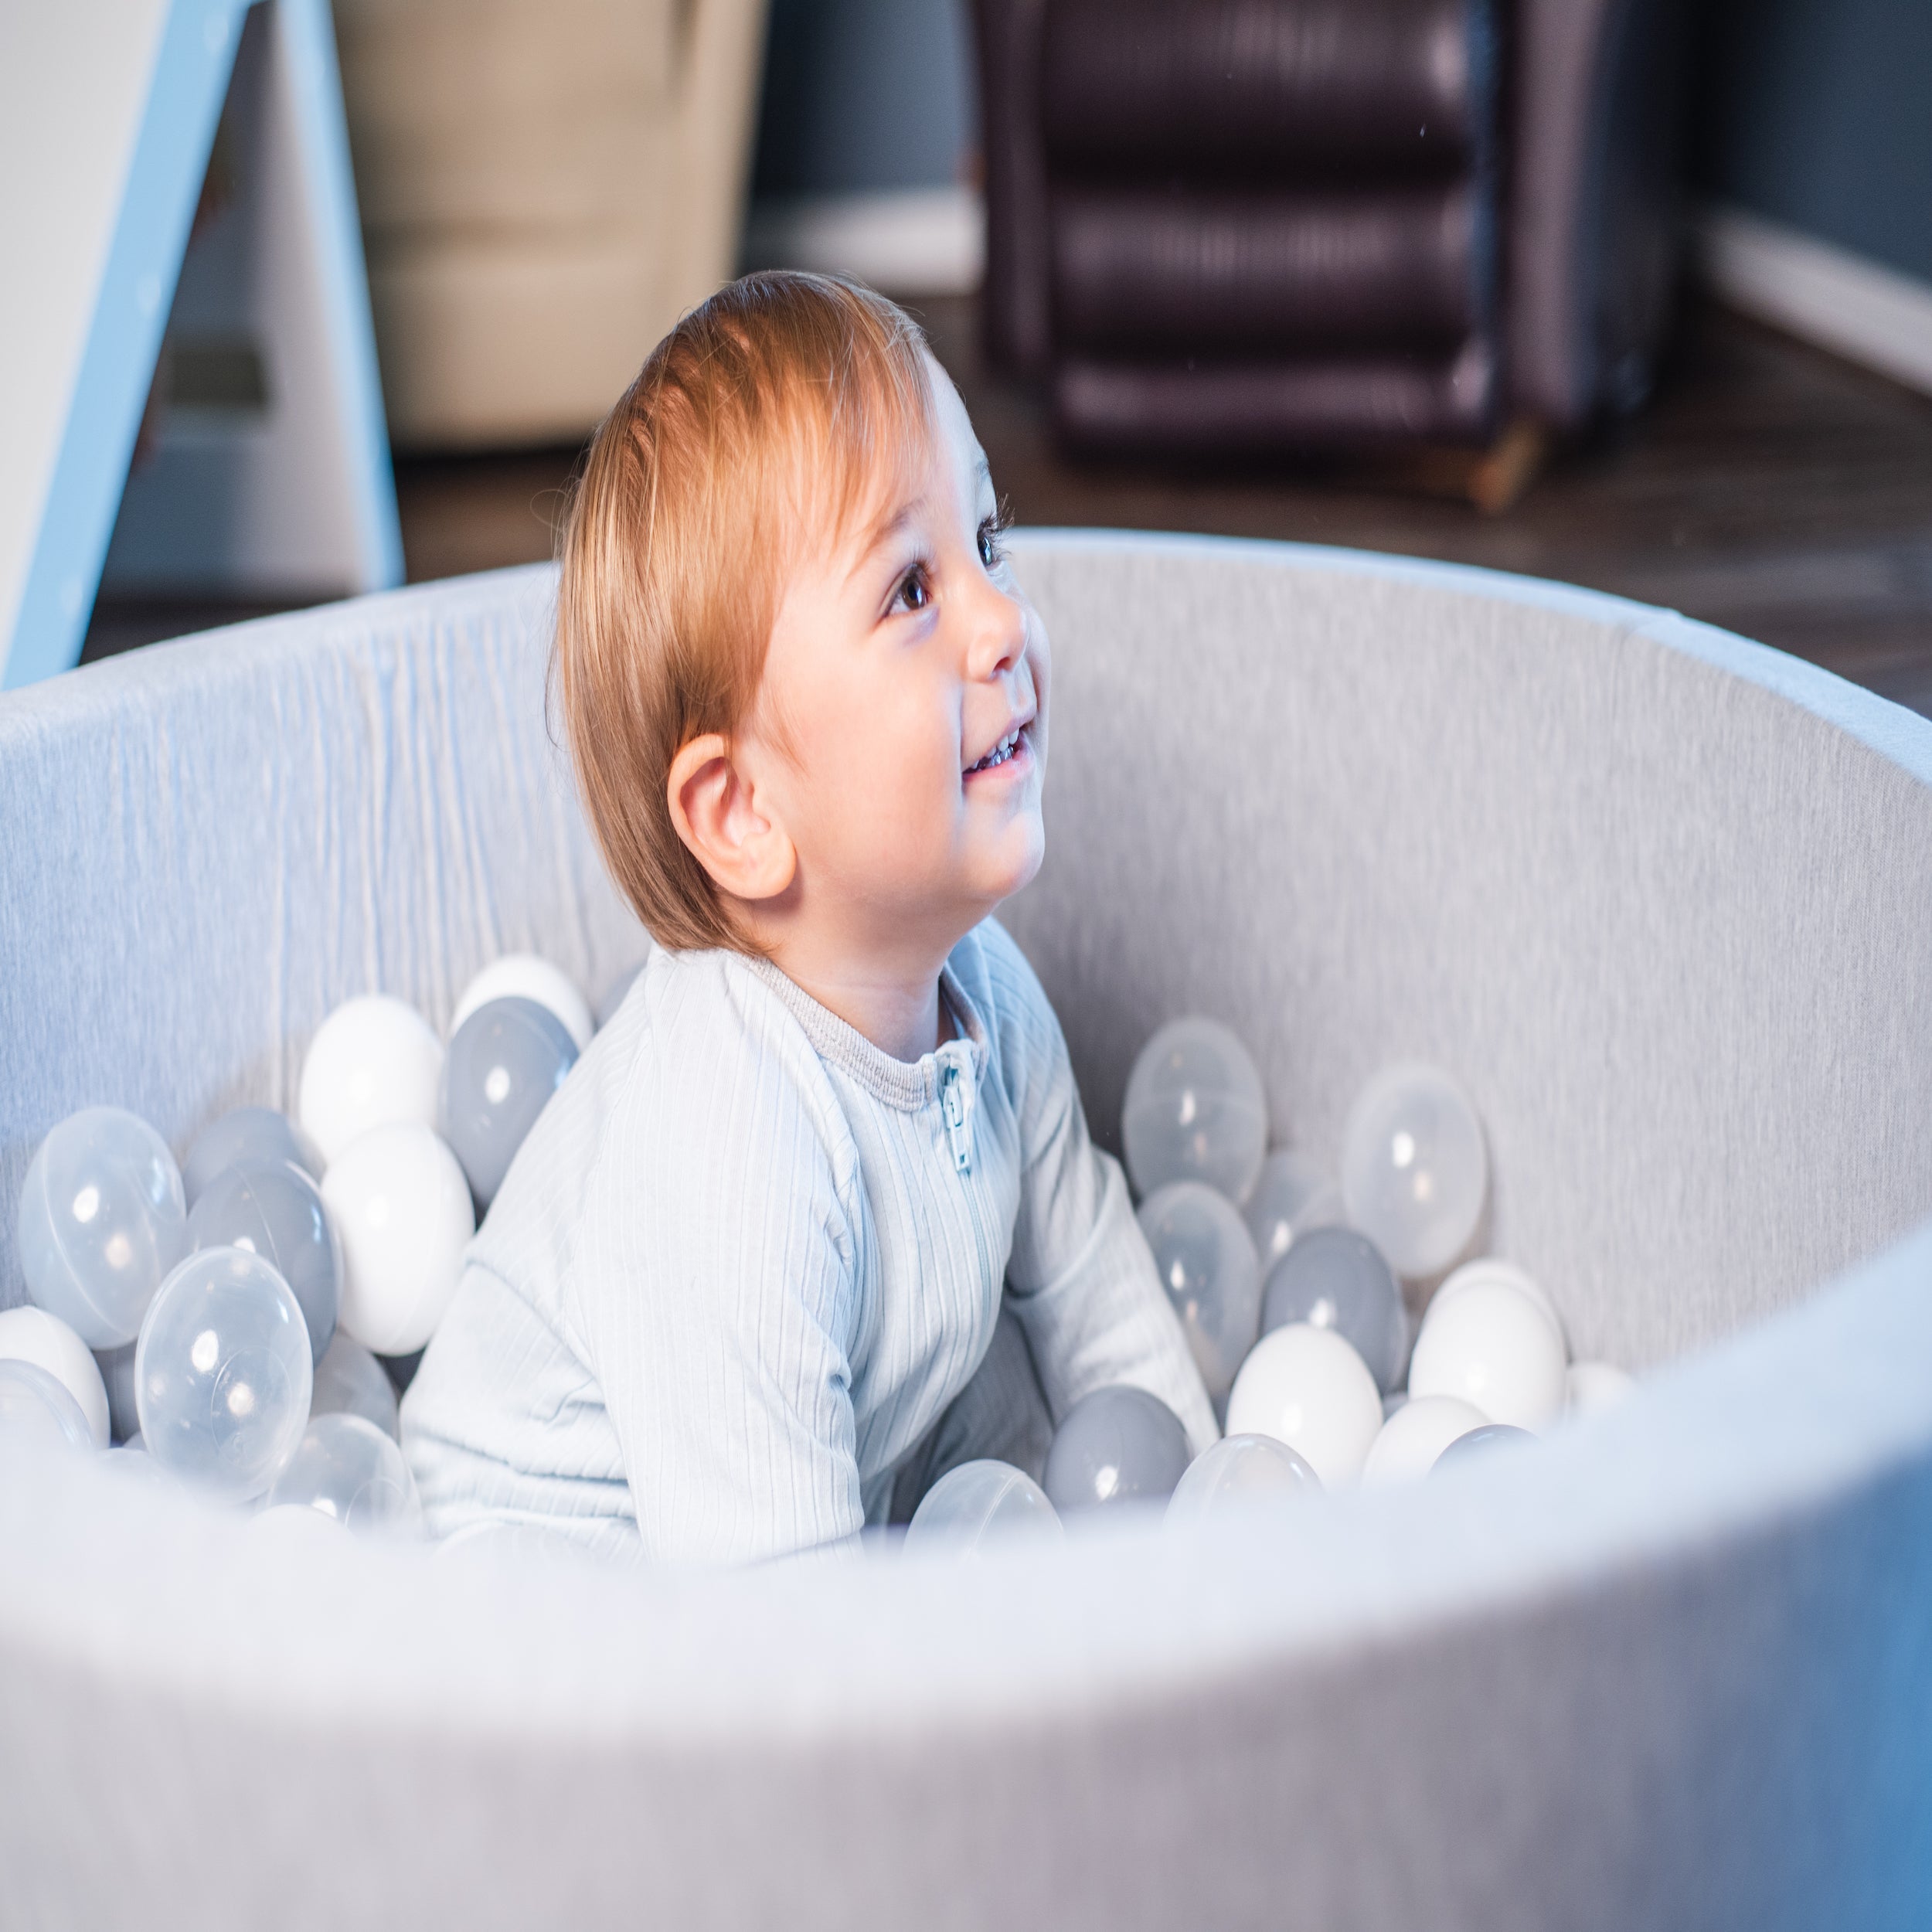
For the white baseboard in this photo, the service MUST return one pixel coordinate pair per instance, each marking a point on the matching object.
(1840, 301)
(922, 241)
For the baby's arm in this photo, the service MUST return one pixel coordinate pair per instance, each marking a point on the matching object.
(1081, 1277)
(713, 1278)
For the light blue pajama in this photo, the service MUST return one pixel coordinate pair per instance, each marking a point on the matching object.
(746, 1264)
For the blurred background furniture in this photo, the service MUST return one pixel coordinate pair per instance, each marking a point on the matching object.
(544, 188)
(1220, 227)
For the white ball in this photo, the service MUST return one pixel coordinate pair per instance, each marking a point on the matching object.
(1596, 1386)
(1306, 1386)
(1415, 1168)
(524, 976)
(1493, 1347)
(31, 1335)
(1415, 1435)
(403, 1210)
(374, 1062)
(1492, 1268)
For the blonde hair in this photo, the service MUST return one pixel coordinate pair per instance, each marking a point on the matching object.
(763, 417)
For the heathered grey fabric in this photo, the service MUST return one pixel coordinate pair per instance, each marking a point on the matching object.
(1657, 896)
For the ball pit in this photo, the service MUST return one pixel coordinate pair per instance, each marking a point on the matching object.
(1656, 898)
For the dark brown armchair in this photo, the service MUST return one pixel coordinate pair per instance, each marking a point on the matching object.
(1229, 226)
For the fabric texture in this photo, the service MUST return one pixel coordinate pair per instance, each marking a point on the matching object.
(747, 1262)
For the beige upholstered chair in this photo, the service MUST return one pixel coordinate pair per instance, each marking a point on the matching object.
(543, 189)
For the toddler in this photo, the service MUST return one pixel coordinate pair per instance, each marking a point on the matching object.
(816, 1217)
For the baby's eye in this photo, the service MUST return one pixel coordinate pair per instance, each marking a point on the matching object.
(914, 592)
(993, 552)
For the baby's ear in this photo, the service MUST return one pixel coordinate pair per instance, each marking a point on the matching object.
(744, 851)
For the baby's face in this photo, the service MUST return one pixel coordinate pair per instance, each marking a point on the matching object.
(909, 675)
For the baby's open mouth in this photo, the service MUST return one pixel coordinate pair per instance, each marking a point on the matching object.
(1000, 752)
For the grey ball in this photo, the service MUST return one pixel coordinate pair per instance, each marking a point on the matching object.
(350, 1381)
(1335, 1278)
(507, 1059)
(1478, 1444)
(273, 1209)
(246, 1134)
(1118, 1445)
(117, 1373)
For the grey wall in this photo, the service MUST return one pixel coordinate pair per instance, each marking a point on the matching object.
(1818, 113)
(866, 95)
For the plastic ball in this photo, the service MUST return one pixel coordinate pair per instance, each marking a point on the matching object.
(247, 1134)
(1415, 1436)
(524, 976)
(31, 1335)
(102, 1220)
(1592, 1388)
(1291, 1195)
(1195, 1110)
(1493, 1268)
(351, 1471)
(38, 1413)
(402, 1212)
(273, 1209)
(373, 1063)
(1118, 1445)
(1334, 1278)
(288, 1525)
(1237, 1472)
(980, 1503)
(1494, 1347)
(1207, 1263)
(222, 1374)
(614, 995)
(350, 1381)
(116, 1367)
(1490, 1438)
(1415, 1172)
(1307, 1386)
(504, 1062)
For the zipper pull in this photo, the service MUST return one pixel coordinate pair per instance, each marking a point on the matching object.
(952, 1100)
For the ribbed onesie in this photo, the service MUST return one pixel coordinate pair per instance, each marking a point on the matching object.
(748, 1274)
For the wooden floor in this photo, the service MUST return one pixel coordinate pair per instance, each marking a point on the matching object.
(1767, 487)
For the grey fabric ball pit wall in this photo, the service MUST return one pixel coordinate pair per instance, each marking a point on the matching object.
(1660, 899)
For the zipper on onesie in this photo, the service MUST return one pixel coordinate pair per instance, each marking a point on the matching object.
(952, 1100)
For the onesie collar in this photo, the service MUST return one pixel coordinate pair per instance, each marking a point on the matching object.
(905, 1084)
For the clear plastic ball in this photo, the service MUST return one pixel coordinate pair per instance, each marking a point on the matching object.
(1307, 1387)
(102, 1220)
(1498, 1350)
(373, 1063)
(247, 1134)
(403, 1211)
(352, 1472)
(1237, 1472)
(1415, 1436)
(1415, 1172)
(1291, 1195)
(1207, 1263)
(350, 1381)
(1195, 1110)
(1116, 1445)
(1493, 1438)
(981, 1503)
(38, 1414)
(273, 1209)
(31, 1335)
(222, 1373)
(1334, 1278)
(504, 1062)
(527, 976)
